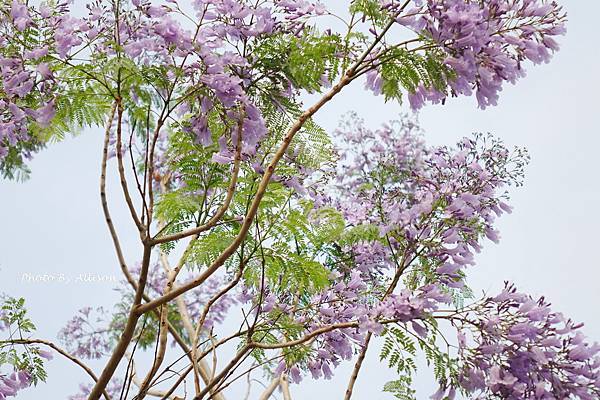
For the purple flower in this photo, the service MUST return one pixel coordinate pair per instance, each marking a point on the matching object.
(44, 71)
(45, 354)
(419, 329)
(169, 30)
(374, 82)
(199, 128)
(36, 53)
(45, 114)
(20, 15)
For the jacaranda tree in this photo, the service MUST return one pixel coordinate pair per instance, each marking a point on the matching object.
(270, 247)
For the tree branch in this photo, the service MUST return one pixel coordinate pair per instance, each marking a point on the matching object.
(346, 79)
(162, 332)
(285, 387)
(254, 206)
(122, 177)
(224, 207)
(128, 331)
(139, 309)
(357, 366)
(270, 389)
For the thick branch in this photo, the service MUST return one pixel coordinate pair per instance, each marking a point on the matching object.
(128, 331)
(357, 366)
(269, 389)
(285, 387)
(162, 333)
(107, 217)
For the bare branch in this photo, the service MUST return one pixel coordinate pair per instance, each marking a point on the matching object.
(139, 384)
(107, 216)
(285, 387)
(128, 331)
(270, 389)
(357, 367)
(122, 176)
(162, 334)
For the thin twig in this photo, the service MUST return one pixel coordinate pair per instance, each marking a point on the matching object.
(123, 178)
(226, 203)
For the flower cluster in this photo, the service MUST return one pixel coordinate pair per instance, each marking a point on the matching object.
(514, 347)
(197, 45)
(211, 61)
(427, 211)
(425, 202)
(209, 57)
(348, 302)
(197, 299)
(11, 384)
(484, 42)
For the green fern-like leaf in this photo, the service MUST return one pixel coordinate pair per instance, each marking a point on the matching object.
(406, 71)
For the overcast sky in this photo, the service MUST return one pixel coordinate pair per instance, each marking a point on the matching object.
(53, 224)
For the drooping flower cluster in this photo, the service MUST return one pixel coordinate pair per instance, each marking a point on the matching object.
(11, 384)
(213, 56)
(349, 302)
(512, 346)
(211, 61)
(485, 43)
(48, 51)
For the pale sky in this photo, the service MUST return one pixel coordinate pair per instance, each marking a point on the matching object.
(53, 223)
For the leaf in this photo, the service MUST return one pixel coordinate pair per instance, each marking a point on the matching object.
(371, 10)
(406, 71)
(207, 248)
(400, 388)
(22, 357)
